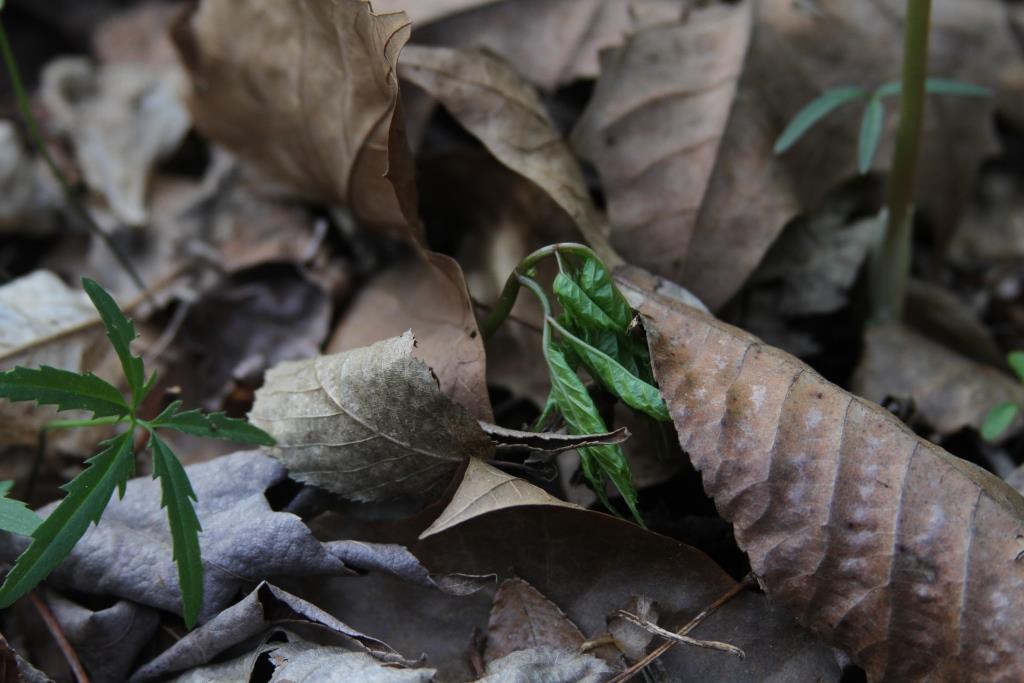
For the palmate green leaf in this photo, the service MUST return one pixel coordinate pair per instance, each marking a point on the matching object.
(596, 282)
(212, 425)
(177, 496)
(15, 515)
(818, 109)
(88, 495)
(1016, 361)
(580, 413)
(998, 420)
(870, 133)
(629, 388)
(121, 333)
(64, 389)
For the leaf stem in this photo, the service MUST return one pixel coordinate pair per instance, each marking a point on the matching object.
(890, 266)
(36, 136)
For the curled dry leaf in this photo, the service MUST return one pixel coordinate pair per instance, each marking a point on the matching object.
(949, 391)
(429, 295)
(548, 664)
(886, 545)
(307, 93)
(549, 441)
(369, 424)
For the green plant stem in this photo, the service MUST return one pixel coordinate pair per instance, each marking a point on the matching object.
(890, 268)
(36, 136)
(510, 292)
(37, 462)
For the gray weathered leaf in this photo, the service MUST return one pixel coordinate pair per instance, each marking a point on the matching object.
(397, 561)
(522, 619)
(548, 664)
(368, 424)
(302, 662)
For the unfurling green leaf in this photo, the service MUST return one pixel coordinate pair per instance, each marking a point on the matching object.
(998, 420)
(870, 133)
(814, 112)
(64, 389)
(1016, 361)
(596, 282)
(631, 389)
(177, 496)
(15, 515)
(121, 333)
(213, 425)
(88, 494)
(583, 309)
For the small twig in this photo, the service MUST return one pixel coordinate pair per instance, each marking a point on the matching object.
(637, 666)
(54, 627)
(679, 638)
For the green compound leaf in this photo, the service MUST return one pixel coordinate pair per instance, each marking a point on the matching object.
(213, 426)
(15, 515)
(64, 389)
(177, 496)
(88, 495)
(1016, 361)
(870, 133)
(596, 282)
(814, 112)
(998, 420)
(634, 392)
(581, 307)
(121, 333)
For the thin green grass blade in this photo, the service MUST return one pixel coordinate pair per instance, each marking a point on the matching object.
(121, 333)
(998, 420)
(64, 389)
(870, 134)
(818, 109)
(177, 497)
(88, 495)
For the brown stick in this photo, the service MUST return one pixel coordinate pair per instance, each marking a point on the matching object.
(633, 670)
(54, 627)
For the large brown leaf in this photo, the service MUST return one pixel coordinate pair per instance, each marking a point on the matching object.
(307, 92)
(903, 555)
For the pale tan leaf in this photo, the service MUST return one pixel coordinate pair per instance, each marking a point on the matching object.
(368, 424)
(429, 295)
(308, 93)
(903, 555)
(494, 103)
(486, 489)
(949, 391)
(522, 618)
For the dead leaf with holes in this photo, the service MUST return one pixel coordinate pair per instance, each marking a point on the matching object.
(887, 546)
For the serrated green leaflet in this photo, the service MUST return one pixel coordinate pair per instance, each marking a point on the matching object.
(66, 390)
(631, 389)
(998, 420)
(596, 282)
(214, 426)
(870, 133)
(1016, 361)
(121, 333)
(16, 517)
(177, 496)
(88, 494)
(818, 109)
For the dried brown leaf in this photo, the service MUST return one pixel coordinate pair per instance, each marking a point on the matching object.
(522, 618)
(429, 295)
(308, 93)
(369, 424)
(551, 442)
(886, 545)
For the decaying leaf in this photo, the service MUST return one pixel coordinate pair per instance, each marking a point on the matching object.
(368, 424)
(308, 93)
(886, 545)
(551, 442)
(300, 662)
(484, 489)
(522, 618)
(258, 612)
(949, 391)
(629, 637)
(122, 119)
(546, 663)
(427, 294)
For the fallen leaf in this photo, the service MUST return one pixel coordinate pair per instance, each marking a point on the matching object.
(308, 93)
(551, 442)
(369, 424)
(427, 294)
(258, 612)
(30, 198)
(523, 619)
(484, 489)
(9, 669)
(883, 543)
(121, 119)
(128, 554)
(546, 663)
(629, 637)
(396, 560)
(138, 34)
(939, 314)
(300, 662)
(950, 392)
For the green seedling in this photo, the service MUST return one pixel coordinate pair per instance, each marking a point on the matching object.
(89, 493)
(592, 334)
(874, 113)
(999, 418)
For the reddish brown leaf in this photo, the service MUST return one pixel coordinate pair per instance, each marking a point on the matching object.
(522, 618)
(903, 555)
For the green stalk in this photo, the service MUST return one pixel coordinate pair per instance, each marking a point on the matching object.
(40, 144)
(890, 266)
